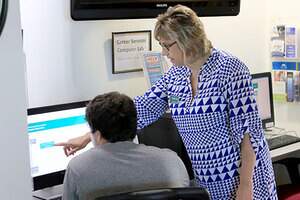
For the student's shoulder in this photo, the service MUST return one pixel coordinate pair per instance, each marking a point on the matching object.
(81, 159)
(158, 152)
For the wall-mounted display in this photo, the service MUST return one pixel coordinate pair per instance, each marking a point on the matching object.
(3, 13)
(126, 49)
(135, 9)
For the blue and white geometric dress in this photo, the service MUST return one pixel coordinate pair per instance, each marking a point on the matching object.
(212, 124)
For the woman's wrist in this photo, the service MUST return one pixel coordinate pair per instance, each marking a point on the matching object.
(246, 182)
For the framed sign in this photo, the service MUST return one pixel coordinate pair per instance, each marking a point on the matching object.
(127, 48)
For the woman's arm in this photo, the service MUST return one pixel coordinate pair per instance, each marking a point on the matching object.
(154, 103)
(245, 189)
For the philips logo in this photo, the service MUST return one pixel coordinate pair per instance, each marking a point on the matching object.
(161, 5)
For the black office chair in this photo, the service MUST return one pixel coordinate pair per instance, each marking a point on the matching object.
(164, 134)
(290, 191)
(189, 193)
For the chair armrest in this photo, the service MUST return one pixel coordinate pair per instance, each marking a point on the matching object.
(188, 193)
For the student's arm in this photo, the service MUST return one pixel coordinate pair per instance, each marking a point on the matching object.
(245, 189)
(75, 144)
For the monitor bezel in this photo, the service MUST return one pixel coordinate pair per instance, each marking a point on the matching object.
(269, 76)
(95, 10)
(55, 178)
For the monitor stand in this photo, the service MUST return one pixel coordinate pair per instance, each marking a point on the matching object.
(268, 130)
(273, 131)
(49, 193)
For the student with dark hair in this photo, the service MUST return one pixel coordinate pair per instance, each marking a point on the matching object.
(119, 114)
(116, 164)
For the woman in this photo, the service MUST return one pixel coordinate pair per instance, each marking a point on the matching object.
(212, 102)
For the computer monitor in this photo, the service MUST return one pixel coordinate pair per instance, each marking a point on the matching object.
(262, 85)
(47, 126)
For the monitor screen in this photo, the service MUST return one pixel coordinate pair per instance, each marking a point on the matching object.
(47, 126)
(262, 85)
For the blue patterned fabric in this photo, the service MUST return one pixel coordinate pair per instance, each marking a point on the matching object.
(212, 124)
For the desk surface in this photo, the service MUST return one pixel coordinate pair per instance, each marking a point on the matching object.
(48, 193)
(277, 154)
(280, 153)
(287, 117)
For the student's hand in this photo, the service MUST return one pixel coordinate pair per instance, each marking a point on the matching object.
(75, 144)
(245, 191)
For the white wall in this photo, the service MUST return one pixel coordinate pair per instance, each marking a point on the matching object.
(245, 35)
(284, 11)
(47, 44)
(15, 181)
(70, 60)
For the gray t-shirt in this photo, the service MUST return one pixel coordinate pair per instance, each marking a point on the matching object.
(121, 167)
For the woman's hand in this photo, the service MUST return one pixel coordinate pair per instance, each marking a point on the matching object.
(245, 191)
(75, 144)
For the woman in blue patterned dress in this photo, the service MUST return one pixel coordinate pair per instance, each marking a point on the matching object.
(211, 99)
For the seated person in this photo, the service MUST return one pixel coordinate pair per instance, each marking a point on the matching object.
(116, 164)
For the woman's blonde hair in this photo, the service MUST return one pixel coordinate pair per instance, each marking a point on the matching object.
(181, 24)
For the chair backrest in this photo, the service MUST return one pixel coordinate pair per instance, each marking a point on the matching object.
(164, 134)
(189, 193)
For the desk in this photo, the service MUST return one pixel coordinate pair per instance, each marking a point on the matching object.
(284, 151)
(48, 193)
(152, 135)
(277, 154)
(287, 117)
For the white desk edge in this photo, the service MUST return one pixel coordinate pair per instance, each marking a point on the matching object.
(276, 154)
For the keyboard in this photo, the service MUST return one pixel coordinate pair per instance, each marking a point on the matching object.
(56, 198)
(49, 198)
(51, 193)
(282, 140)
